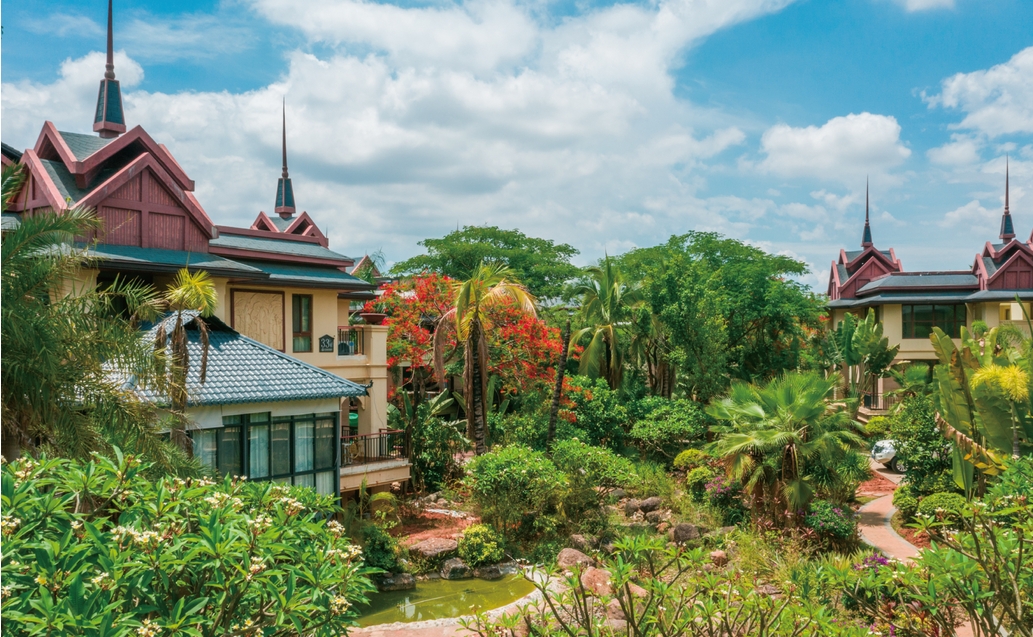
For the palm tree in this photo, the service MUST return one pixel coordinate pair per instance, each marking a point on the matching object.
(491, 284)
(193, 294)
(62, 340)
(774, 431)
(606, 301)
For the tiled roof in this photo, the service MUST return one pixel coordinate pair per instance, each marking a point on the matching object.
(242, 370)
(313, 276)
(853, 254)
(169, 260)
(10, 152)
(281, 223)
(64, 180)
(82, 146)
(946, 296)
(276, 246)
(990, 266)
(10, 220)
(922, 280)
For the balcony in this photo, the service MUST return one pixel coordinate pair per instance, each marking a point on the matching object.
(366, 449)
(350, 341)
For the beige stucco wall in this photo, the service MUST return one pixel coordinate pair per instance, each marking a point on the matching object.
(210, 417)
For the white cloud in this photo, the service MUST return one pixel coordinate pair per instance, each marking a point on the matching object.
(971, 216)
(63, 24)
(996, 101)
(962, 150)
(925, 5)
(843, 149)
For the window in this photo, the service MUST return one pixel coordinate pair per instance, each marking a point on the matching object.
(258, 445)
(919, 320)
(303, 446)
(206, 447)
(231, 448)
(302, 319)
(281, 448)
(324, 439)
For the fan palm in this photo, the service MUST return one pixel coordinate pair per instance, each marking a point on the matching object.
(773, 431)
(606, 302)
(491, 284)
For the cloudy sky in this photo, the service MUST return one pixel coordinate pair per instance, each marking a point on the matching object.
(603, 125)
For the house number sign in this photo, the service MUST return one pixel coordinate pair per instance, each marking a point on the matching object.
(326, 343)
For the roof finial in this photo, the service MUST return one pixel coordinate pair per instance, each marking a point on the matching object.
(109, 120)
(866, 239)
(1007, 229)
(284, 190)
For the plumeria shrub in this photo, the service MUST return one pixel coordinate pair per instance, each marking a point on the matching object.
(95, 548)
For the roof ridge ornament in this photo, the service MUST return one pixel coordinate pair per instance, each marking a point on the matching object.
(1007, 228)
(284, 189)
(109, 120)
(866, 238)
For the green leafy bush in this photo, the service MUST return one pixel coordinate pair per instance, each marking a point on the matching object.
(831, 522)
(598, 411)
(653, 480)
(480, 545)
(696, 482)
(691, 458)
(725, 495)
(907, 505)
(379, 549)
(1016, 479)
(922, 447)
(588, 468)
(517, 489)
(669, 428)
(97, 548)
(949, 504)
(878, 427)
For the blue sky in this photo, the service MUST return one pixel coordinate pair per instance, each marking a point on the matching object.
(607, 126)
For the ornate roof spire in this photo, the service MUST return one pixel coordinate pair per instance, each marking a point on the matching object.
(866, 239)
(1007, 229)
(284, 190)
(109, 120)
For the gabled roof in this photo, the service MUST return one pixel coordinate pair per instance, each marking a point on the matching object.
(242, 370)
(921, 281)
(82, 146)
(155, 260)
(10, 154)
(284, 249)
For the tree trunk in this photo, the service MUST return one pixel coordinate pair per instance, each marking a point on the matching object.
(178, 391)
(561, 370)
(477, 410)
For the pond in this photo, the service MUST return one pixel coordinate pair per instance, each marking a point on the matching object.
(440, 598)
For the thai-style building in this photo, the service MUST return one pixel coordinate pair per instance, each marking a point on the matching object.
(910, 304)
(283, 298)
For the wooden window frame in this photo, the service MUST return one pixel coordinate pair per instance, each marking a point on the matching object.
(294, 335)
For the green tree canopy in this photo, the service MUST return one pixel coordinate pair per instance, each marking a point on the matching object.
(542, 265)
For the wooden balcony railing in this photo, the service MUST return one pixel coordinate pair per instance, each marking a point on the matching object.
(370, 448)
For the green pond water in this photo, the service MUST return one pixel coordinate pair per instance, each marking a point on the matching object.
(439, 598)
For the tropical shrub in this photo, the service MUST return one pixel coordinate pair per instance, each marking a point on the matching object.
(97, 548)
(838, 479)
(517, 489)
(834, 524)
(725, 495)
(588, 468)
(691, 458)
(480, 545)
(597, 411)
(696, 482)
(653, 480)
(922, 447)
(379, 549)
(877, 427)
(1015, 481)
(907, 505)
(669, 428)
(946, 505)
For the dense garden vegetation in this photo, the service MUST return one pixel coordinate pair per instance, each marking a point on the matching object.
(686, 464)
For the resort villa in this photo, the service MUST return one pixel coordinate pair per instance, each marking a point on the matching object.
(910, 304)
(295, 390)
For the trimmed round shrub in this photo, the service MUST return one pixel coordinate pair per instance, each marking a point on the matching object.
(691, 459)
(831, 521)
(907, 505)
(949, 504)
(696, 482)
(597, 466)
(878, 427)
(480, 545)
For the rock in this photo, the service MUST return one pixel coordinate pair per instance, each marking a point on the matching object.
(597, 581)
(569, 558)
(394, 582)
(618, 494)
(663, 527)
(650, 504)
(434, 548)
(632, 507)
(718, 558)
(455, 568)
(442, 504)
(682, 533)
(616, 626)
(769, 590)
(656, 517)
(608, 548)
(489, 572)
(614, 611)
(637, 590)
(582, 542)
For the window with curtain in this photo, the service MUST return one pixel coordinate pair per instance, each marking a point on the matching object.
(231, 450)
(918, 321)
(302, 320)
(325, 482)
(306, 480)
(324, 442)
(303, 446)
(206, 447)
(281, 448)
(258, 441)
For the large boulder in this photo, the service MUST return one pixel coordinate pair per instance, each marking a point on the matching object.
(658, 516)
(596, 581)
(455, 568)
(614, 610)
(489, 572)
(718, 558)
(650, 504)
(394, 582)
(631, 507)
(570, 558)
(637, 590)
(682, 533)
(434, 548)
(582, 542)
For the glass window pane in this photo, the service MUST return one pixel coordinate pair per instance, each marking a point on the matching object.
(281, 449)
(922, 330)
(232, 420)
(231, 455)
(258, 418)
(302, 343)
(324, 443)
(258, 437)
(303, 446)
(923, 313)
(325, 482)
(307, 480)
(206, 448)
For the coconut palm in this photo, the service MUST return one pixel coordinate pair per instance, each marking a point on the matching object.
(772, 432)
(63, 338)
(491, 284)
(190, 294)
(606, 302)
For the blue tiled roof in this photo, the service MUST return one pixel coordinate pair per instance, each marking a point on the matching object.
(922, 280)
(242, 370)
(276, 246)
(10, 220)
(314, 276)
(155, 259)
(82, 146)
(281, 223)
(64, 180)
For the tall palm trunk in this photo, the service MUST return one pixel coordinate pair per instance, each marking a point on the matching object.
(178, 393)
(476, 387)
(557, 391)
